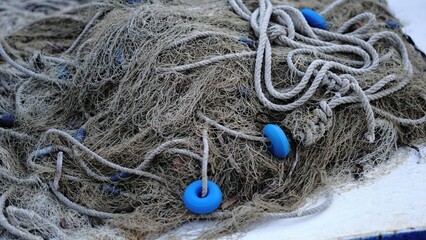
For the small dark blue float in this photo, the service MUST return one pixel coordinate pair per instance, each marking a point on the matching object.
(7, 120)
(133, 1)
(119, 176)
(249, 42)
(392, 24)
(80, 135)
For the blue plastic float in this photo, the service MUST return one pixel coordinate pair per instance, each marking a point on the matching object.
(133, 1)
(7, 120)
(314, 19)
(44, 151)
(247, 41)
(392, 24)
(119, 176)
(278, 143)
(80, 135)
(202, 205)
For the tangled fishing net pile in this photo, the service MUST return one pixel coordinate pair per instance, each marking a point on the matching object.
(120, 105)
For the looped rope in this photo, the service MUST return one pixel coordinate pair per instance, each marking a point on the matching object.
(275, 31)
(335, 74)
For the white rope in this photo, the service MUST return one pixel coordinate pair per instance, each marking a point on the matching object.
(58, 172)
(161, 148)
(12, 73)
(186, 153)
(26, 71)
(279, 215)
(91, 173)
(231, 132)
(84, 32)
(292, 30)
(80, 209)
(43, 152)
(16, 134)
(10, 228)
(402, 121)
(136, 171)
(204, 167)
(56, 60)
(100, 159)
(18, 181)
(301, 213)
(81, 48)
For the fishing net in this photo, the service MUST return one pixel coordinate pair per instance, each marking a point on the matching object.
(117, 106)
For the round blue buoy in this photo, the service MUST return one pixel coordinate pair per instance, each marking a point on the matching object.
(278, 142)
(314, 19)
(196, 204)
(7, 120)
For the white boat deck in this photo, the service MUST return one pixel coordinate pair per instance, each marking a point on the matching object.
(394, 202)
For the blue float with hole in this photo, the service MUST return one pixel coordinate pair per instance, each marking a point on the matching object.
(314, 19)
(278, 143)
(202, 205)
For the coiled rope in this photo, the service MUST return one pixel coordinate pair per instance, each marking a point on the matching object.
(292, 30)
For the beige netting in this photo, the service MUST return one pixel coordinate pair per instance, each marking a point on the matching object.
(169, 92)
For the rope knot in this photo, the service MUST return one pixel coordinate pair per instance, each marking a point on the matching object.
(316, 127)
(322, 116)
(276, 31)
(340, 84)
(344, 86)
